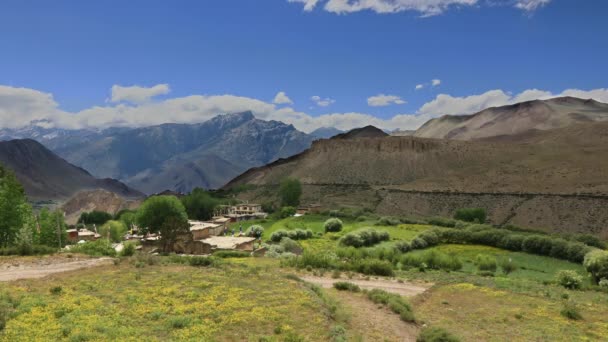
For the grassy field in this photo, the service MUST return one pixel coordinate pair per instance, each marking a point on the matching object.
(254, 299)
(235, 302)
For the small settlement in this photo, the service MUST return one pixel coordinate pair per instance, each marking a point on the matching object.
(206, 237)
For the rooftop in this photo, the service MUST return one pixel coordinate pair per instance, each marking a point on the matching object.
(227, 242)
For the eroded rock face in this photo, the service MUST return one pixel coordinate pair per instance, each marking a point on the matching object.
(101, 200)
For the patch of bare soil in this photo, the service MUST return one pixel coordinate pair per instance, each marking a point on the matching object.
(29, 268)
(392, 286)
(371, 322)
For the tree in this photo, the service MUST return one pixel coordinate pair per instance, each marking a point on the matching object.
(94, 217)
(165, 215)
(199, 204)
(14, 208)
(116, 230)
(52, 228)
(128, 219)
(290, 191)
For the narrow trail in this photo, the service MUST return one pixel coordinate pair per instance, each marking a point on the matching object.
(403, 289)
(371, 322)
(10, 271)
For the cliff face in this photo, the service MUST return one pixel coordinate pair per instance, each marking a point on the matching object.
(538, 179)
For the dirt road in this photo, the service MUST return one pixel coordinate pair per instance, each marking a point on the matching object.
(404, 289)
(39, 268)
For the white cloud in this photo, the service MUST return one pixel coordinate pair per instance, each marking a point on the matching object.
(282, 98)
(426, 8)
(322, 102)
(309, 5)
(21, 106)
(137, 94)
(531, 5)
(435, 82)
(381, 100)
(419, 86)
(446, 104)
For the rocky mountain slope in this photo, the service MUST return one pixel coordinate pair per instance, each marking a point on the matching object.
(101, 200)
(44, 175)
(325, 132)
(176, 157)
(515, 119)
(567, 162)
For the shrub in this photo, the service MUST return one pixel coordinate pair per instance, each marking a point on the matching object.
(366, 237)
(56, 290)
(256, 231)
(433, 260)
(603, 283)
(199, 261)
(388, 221)
(297, 234)
(179, 322)
(485, 263)
(569, 279)
(590, 240)
(570, 311)
(430, 237)
(346, 286)
(395, 302)
(128, 250)
(507, 266)
(435, 334)
(477, 215)
(333, 225)
(287, 212)
(418, 243)
(596, 263)
(290, 246)
(374, 267)
(442, 222)
(403, 246)
(231, 254)
(101, 247)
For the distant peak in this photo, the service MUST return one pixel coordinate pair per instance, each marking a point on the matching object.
(363, 132)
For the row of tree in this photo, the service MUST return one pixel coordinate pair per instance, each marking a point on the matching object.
(19, 226)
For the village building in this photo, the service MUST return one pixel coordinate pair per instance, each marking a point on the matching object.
(242, 212)
(308, 209)
(202, 230)
(75, 235)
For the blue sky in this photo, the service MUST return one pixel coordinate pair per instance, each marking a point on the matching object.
(59, 60)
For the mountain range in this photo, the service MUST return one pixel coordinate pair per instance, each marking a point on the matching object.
(177, 157)
(515, 119)
(45, 176)
(549, 175)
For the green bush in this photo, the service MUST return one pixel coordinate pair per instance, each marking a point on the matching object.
(435, 334)
(388, 221)
(395, 302)
(333, 225)
(364, 238)
(287, 212)
(507, 266)
(34, 250)
(373, 267)
(596, 263)
(485, 263)
(128, 250)
(231, 254)
(290, 246)
(200, 261)
(432, 260)
(346, 286)
(297, 234)
(477, 215)
(569, 279)
(256, 231)
(419, 243)
(101, 247)
(403, 246)
(442, 222)
(570, 311)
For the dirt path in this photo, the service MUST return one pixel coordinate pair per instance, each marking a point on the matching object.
(10, 271)
(404, 289)
(370, 322)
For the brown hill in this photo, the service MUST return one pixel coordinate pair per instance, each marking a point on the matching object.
(363, 132)
(563, 163)
(101, 200)
(45, 176)
(515, 119)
